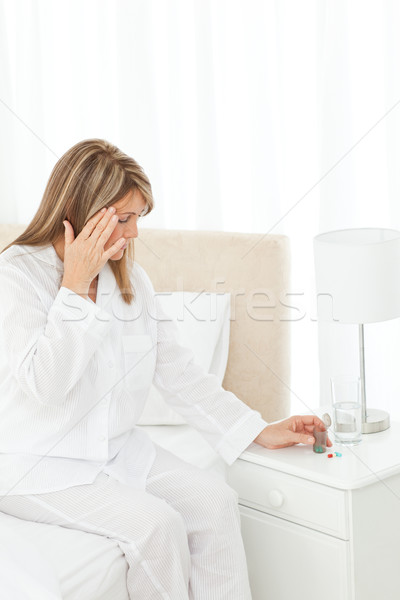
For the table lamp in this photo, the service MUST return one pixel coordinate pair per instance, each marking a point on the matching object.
(358, 281)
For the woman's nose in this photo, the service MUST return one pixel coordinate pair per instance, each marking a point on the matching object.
(132, 230)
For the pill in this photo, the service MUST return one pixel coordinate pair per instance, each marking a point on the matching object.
(338, 453)
(318, 449)
(330, 455)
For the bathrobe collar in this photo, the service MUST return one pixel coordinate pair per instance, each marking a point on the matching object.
(106, 283)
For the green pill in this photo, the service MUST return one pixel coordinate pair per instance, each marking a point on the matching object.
(319, 445)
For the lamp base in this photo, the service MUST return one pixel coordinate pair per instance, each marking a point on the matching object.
(377, 420)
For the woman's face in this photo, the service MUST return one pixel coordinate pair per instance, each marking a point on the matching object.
(128, 210)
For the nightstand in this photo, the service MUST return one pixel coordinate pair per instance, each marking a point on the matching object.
(317, 527)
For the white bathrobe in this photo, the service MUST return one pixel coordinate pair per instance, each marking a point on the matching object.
(74, 377)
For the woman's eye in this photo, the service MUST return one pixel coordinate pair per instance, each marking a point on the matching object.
(126, 220)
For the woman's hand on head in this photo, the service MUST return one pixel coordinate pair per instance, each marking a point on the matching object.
(291, 431)
(84, 255)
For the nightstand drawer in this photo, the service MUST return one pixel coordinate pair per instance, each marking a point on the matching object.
(297, 500)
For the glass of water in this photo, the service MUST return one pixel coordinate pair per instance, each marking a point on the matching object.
(346, 409)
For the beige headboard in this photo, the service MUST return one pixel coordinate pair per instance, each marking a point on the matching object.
(255, 269)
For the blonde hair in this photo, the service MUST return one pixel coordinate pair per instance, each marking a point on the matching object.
(91, 175)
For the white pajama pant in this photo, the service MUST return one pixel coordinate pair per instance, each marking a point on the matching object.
(180, 536)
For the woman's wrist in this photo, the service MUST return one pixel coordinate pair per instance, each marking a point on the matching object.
(82, 289)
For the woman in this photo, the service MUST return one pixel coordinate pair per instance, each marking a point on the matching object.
(83, 338)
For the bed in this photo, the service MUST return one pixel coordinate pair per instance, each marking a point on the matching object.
(253, 269)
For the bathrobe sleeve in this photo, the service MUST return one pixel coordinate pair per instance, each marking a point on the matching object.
(47, 348)
(226, 422)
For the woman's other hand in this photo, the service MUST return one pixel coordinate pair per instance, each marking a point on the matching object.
(84, 256)
(291, 431)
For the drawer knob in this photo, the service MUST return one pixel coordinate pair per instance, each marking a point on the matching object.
(275, 498)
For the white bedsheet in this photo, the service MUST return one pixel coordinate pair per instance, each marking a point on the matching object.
(48, 562)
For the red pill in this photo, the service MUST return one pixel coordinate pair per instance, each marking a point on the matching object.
(330, 455)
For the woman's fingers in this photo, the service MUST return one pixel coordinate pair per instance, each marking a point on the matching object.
(69, 235)
(114, 248)
(85, 255)
(106, 229)
(93, 222)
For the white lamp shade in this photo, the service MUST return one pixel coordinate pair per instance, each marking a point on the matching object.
(358, 275)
